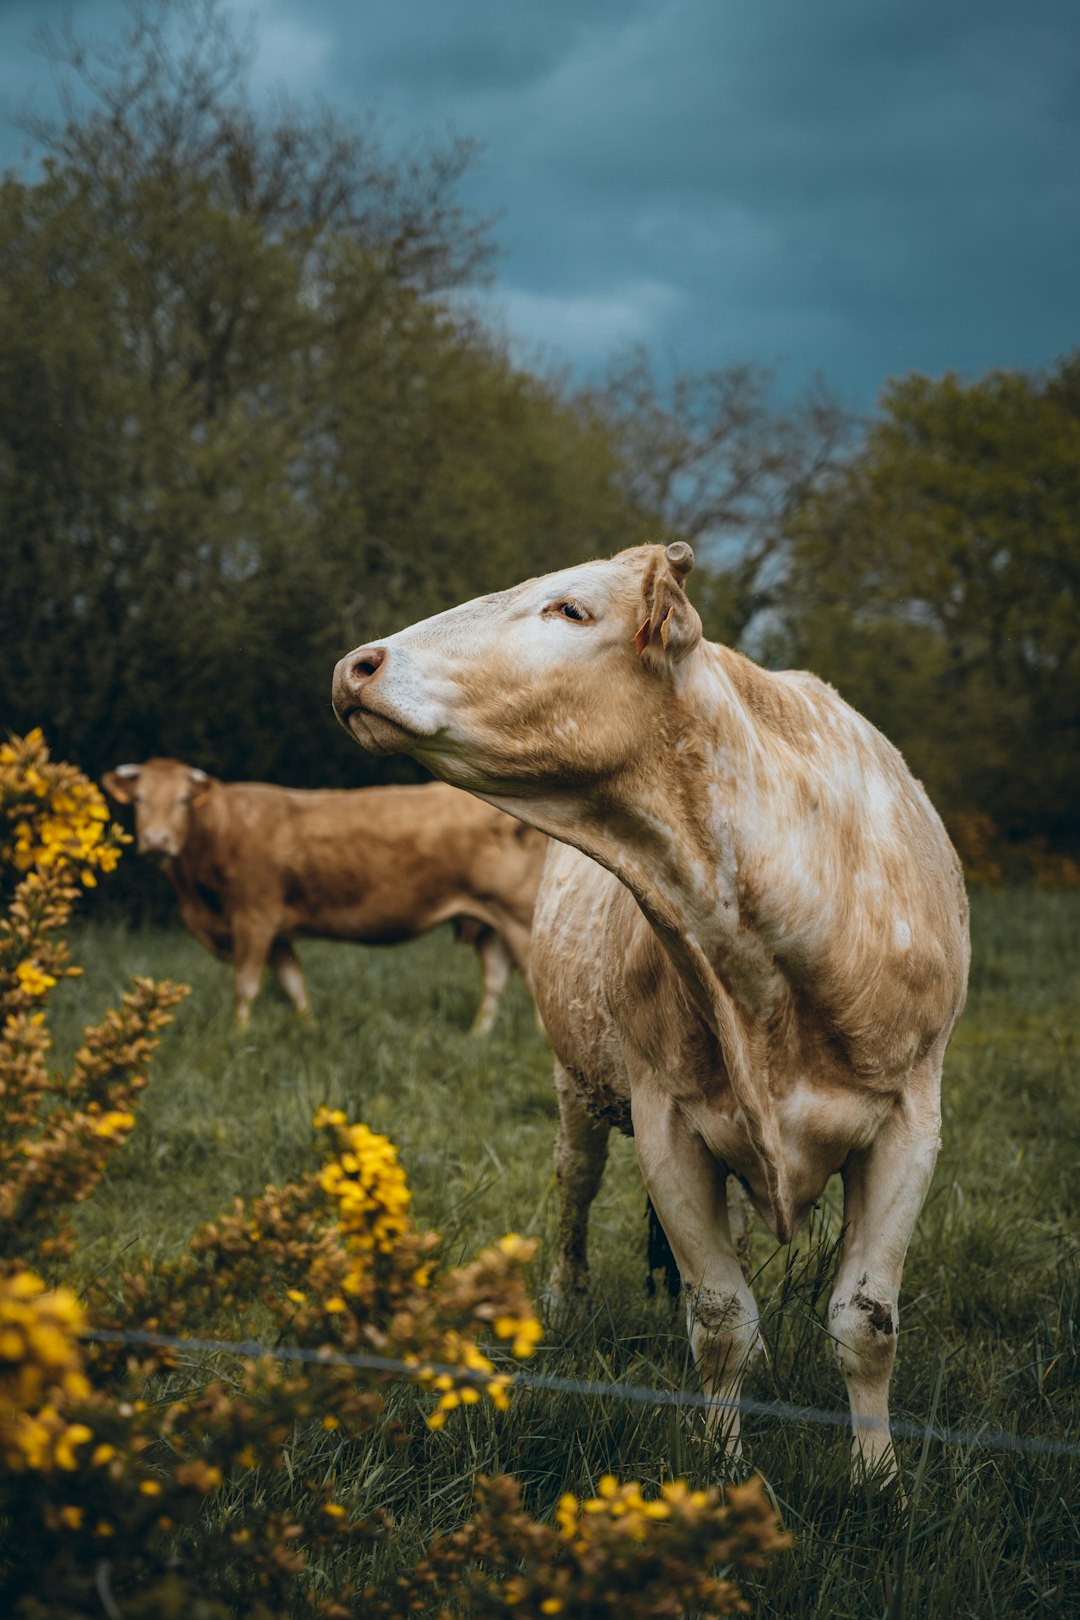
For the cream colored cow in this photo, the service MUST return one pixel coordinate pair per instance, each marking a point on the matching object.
(750, 948)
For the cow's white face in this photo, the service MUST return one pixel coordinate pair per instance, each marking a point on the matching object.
(162, 791)
(547, 684)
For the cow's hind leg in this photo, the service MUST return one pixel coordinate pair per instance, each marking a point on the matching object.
(581, 1148)
(741, 1224)
(884, 1188)
(689, 1192)
(285, 965)
(496, 962)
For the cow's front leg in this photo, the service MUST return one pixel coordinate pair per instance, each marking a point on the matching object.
(884, 1188)
(285, 965)
(689, 1193)
(496, 962)
(581, 1148)
(252, 940)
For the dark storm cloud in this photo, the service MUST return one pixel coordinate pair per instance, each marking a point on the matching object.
(853, 188)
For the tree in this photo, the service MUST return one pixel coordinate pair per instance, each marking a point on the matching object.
(936, 578)
(710, 457)
(241, 425)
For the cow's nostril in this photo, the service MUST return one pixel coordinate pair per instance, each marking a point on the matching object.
(369, 662)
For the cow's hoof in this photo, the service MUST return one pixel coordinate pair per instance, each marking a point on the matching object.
(562, 1303)
(878, 1480)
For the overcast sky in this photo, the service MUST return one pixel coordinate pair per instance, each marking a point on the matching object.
(857, 188)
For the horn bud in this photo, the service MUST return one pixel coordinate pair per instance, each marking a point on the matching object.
(128, 770)
(680, 556)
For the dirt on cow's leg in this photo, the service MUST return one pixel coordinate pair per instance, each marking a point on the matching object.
(662, 1260)
(688, 1190)
(496, 962)
(285, 965)
(581, 1148)
(884, 1188)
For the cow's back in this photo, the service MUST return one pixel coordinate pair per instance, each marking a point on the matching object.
(852, 884)
(380, 863)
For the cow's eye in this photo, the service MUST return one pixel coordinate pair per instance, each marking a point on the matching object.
(571, 610)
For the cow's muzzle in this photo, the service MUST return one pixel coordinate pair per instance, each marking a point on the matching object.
(352, 676)
(158, 846)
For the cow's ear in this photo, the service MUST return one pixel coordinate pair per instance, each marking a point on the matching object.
(670, 627)
(120, 784)
(201, 783)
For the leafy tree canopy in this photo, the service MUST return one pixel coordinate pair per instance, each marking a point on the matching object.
(935, 578)
(241, 424)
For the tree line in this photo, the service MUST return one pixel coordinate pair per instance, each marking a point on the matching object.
(248, 419)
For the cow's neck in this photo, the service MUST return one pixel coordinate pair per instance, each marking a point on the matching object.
(197, 864)
(675, 828)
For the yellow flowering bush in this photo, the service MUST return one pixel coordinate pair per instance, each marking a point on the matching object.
(118, 1461)
(612, 1554)
(58, 1131)
(40, 1370)
(141, 1459)
(52, 817)
(104, 1490)
(55, 838)
(337, 1262)
(440, 1313)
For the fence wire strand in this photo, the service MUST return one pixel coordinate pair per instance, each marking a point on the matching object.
(635, 1394)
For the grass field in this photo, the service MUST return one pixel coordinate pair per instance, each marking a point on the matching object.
(990, 1308)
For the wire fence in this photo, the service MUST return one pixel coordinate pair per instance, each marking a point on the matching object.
(999, 1440)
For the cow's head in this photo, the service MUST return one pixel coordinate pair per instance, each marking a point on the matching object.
(163, 792)
(550, 684)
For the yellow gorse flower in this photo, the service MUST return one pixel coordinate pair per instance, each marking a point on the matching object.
(525, 1333)
(40, 1365)
(113, 1124)
(33, 979)
(624, 1505)
(369, 1185)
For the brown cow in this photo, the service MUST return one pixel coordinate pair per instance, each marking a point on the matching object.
(760, 976)
(256, 866)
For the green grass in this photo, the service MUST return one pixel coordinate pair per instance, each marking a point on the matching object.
(990, 1306)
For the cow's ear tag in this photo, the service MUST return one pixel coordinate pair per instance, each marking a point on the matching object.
(641, 640)
(200, 798)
